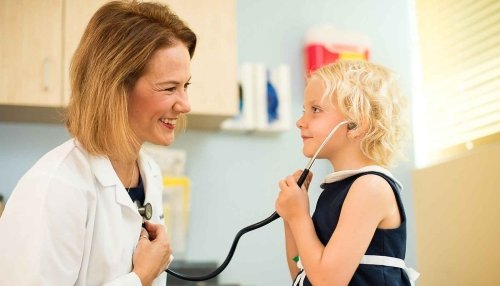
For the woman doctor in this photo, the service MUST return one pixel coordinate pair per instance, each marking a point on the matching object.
(72, 220)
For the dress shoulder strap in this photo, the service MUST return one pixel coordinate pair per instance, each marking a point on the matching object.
(395, 187)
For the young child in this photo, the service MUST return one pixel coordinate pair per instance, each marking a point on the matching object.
(357, 234)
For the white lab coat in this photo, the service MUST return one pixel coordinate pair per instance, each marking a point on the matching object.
(70, 221)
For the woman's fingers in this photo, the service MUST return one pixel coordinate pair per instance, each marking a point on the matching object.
(144, 234)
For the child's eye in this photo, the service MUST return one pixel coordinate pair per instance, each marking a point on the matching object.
(314, 109)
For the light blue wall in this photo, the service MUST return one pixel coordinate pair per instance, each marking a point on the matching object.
(21, 145)
(234, 176)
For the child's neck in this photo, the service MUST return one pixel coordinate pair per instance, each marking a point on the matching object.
(351, 162)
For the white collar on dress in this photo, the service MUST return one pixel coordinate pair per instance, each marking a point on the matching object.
(340, 175)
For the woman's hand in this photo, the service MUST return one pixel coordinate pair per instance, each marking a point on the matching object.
(292, 201)
(152, 254)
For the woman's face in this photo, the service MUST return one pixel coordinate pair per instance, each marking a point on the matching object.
(159, 96)
(318, 120)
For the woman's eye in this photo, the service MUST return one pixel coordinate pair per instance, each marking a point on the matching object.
(170, 89)
(187, 85)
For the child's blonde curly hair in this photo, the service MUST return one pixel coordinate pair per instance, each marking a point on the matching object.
(368, 95)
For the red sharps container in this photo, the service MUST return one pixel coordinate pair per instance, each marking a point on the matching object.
(326, 44)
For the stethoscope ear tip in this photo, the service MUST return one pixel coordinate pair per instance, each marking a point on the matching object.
(351, 125)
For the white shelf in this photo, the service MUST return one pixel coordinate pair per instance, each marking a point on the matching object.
(253, 114)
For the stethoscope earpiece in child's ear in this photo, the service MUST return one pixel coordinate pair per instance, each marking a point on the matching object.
(351, 125)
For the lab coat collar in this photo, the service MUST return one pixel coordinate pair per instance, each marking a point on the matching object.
(104, 172)
(149, 174)
(107, 177)
(100, 166)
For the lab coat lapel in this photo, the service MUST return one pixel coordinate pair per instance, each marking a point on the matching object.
(150, 176)
(106, 176)
(152, 180)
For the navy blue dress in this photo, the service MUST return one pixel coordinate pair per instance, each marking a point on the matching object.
(385, 242)
(137, 193)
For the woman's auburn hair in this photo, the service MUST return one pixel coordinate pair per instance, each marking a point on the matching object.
(113, 53)
(368, 95)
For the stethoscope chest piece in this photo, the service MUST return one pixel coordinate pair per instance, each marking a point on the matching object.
(146, 211)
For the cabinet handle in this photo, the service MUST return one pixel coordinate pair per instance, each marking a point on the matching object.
(45, 75)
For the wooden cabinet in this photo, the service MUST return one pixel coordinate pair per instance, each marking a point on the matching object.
(214, 90)
(77, 15)
(38, 39)
(30, 52)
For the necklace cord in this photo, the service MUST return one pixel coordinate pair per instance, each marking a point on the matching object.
(131, 179)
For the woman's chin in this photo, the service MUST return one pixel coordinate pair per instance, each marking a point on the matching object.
(164, 141)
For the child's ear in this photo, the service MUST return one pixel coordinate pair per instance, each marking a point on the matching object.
(354, 130)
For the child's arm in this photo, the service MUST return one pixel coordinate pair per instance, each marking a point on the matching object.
(370, 202)
(291, 251)
(291, 248)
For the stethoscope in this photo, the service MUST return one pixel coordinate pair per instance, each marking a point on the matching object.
(146, 212)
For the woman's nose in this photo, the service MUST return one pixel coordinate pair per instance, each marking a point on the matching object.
(182, 105)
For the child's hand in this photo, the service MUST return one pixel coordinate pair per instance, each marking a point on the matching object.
(292, 201)
(307, 181)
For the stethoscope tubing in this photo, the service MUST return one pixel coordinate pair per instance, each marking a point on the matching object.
(257, 225)
(240, 233)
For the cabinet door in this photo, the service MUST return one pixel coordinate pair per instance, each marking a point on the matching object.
(214, 88)
(30, 52)
(77, 16)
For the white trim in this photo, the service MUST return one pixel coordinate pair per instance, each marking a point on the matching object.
(391, 262)
(370, 260)
(383, 260)
(340, 175)
(299, 281)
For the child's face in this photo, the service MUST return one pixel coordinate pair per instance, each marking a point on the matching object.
(318, 120)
